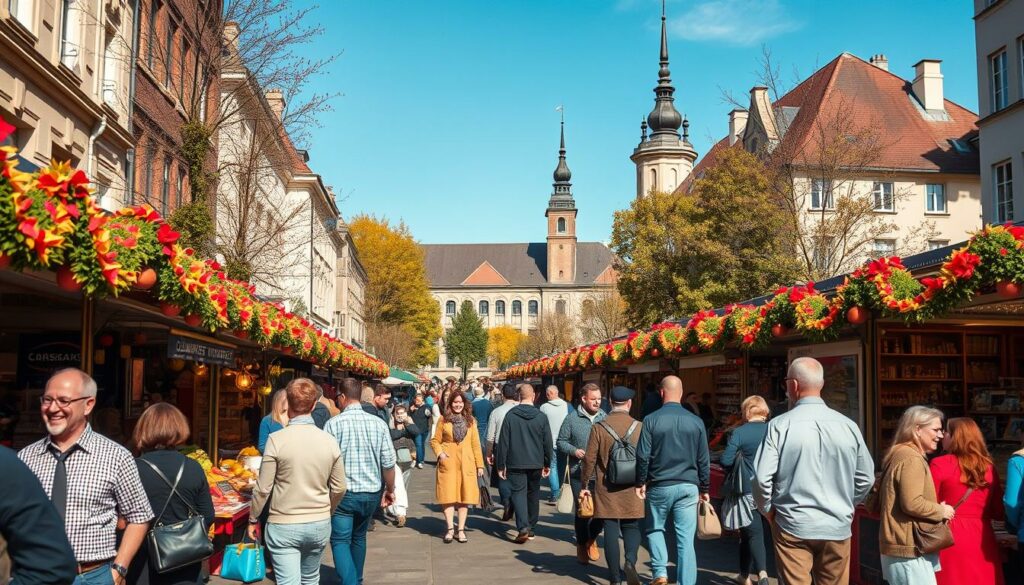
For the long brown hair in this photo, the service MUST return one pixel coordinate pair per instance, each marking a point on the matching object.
(968, 444)
(467, 408)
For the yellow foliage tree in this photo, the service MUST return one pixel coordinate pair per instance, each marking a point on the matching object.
(398, 292)
(504, 344)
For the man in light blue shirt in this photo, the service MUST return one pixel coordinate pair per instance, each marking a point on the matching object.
(812, 469)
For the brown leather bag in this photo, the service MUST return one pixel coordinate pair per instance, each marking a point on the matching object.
(585, 506)
(931, 537)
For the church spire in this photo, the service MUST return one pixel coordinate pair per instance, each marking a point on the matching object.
(664, 120)
(561, 195)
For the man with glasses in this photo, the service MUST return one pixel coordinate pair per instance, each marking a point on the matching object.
(811, 470)
(90, 480)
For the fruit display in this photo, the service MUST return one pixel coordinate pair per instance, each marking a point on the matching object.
(249, 451)
(197, 454)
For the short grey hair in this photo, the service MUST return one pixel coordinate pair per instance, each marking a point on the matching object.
(808, 373)
(552, 389)
(88, 384)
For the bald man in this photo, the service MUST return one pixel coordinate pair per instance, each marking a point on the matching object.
(673, 473)
(810, 472)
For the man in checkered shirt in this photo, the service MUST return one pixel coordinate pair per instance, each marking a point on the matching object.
(90, 480)
(369, 455)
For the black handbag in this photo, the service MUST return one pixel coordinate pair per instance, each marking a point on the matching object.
(173, 546)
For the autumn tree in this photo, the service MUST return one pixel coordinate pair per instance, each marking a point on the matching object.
(555, 332)
(602, 316)
(392, 342)
(466, 340)
(721, 242)
(397, 291)
(504, 344)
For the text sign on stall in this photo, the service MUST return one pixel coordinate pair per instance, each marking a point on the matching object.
(188, 348)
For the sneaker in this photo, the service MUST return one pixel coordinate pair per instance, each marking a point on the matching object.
(532, 535)
(521, 538)
(592, 550)
(632, 578)
(419, 465)
(400, 522)
(552, 501)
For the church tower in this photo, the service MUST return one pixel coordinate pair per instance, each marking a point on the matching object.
(561, 215)
(663, 159)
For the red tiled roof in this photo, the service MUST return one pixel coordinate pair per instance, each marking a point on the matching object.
(298, 164)
(708, 161)
(874, 97)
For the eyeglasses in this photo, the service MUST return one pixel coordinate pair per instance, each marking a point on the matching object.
(788, 379)
(62, 402)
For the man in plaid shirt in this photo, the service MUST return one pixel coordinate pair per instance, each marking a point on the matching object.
(90, 480)
(369, 455)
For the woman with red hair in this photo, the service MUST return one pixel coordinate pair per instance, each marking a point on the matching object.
(965, 474)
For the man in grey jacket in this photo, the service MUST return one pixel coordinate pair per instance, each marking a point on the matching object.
(572, 443)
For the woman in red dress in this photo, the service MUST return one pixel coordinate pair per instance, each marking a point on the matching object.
(975, 558)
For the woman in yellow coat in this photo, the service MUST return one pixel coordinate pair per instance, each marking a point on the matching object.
(459, 463)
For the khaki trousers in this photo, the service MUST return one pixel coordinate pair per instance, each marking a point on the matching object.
(807, 562)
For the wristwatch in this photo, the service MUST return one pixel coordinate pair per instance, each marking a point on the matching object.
(121, 570)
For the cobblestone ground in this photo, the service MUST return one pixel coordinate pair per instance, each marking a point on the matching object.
(416, 555)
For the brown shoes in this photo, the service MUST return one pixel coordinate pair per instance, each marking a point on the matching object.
(582, 556)
(400, 522)
(660, 581)
(522, 537)
(592, 551)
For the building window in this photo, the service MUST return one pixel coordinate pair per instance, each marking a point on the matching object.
(823, 251)
(560, 307)
(165, 190)
(935, 198)
(449, 308)
(587, 309)
(561, 225)
(1002, 178)
(172, 28)
(69, 34)
(936, 244)
(484, 308)
(654, 179)
(21, 10)
(821, 194)
(180, 192)
(499, 308)
(882, 193)
(450, 361)
(532, 308)
(998, 84)
(154, 9)
(884, 247)
(517, 308)
(147, 175)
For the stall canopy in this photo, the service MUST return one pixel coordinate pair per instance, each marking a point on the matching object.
(399, 377)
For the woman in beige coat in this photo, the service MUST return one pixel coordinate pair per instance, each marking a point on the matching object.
(459, 463)
(907, 498)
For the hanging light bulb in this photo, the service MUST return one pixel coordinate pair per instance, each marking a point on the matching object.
(243, 381)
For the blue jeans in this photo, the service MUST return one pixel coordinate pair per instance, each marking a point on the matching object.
(421, 451)
(679, 502)
(348, 534)
(98, 576)
(296, 550)
(555, 475)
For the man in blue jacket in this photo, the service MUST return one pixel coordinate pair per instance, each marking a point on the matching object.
(673, 473)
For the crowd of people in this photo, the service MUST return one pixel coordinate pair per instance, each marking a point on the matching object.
(76, 507)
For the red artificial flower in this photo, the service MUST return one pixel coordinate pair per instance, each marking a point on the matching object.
(962, 264)
(1003, 251)
(5, 130)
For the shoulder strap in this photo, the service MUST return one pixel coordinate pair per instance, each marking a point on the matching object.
(629, 431)
(607, 427)
(174, 489)
(963, 498)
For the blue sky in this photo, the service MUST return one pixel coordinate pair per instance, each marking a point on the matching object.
(448, 115)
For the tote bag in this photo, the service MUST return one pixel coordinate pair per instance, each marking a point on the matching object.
(565, 499)
(243, 562)
(708, 526)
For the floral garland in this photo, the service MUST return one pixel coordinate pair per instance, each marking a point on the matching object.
(994, 256)
(49, 220)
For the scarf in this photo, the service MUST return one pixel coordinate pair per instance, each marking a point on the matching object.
(459, 427)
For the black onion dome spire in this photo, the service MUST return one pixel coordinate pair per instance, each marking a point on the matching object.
(561, 195)
(664, 119)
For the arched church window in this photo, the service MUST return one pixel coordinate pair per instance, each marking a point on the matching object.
(449, 308)
(654, 179)
(675, 180)
(561, 225)
(533, 308)
(560, 307)
(517, 308)
(499, 308)
(484, 308)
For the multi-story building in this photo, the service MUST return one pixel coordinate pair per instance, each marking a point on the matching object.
(176, 60)
(517, 284)
(908, 150)
(65, 86)
(350, 321)
(999, 34)
(273, 214)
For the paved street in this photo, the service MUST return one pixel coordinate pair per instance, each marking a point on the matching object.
(416, 555)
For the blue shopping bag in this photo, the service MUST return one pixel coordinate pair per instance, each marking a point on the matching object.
(243, 562)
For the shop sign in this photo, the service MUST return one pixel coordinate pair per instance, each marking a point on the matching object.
(701, 361)
(42, 354)
(197, 350)
(648, 367)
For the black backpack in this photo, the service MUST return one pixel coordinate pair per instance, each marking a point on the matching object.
(622, 457)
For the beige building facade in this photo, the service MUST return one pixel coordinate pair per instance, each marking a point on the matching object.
(999, 34)
(64, 85)
(350, 320)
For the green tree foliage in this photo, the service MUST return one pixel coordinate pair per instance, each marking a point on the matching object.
(466, 340)
(397, 292)
(722, 241)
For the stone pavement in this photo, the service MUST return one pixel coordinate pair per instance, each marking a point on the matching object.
(416, 555)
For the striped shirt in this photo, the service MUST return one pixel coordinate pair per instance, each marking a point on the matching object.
(103, 481)
(366, 447)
